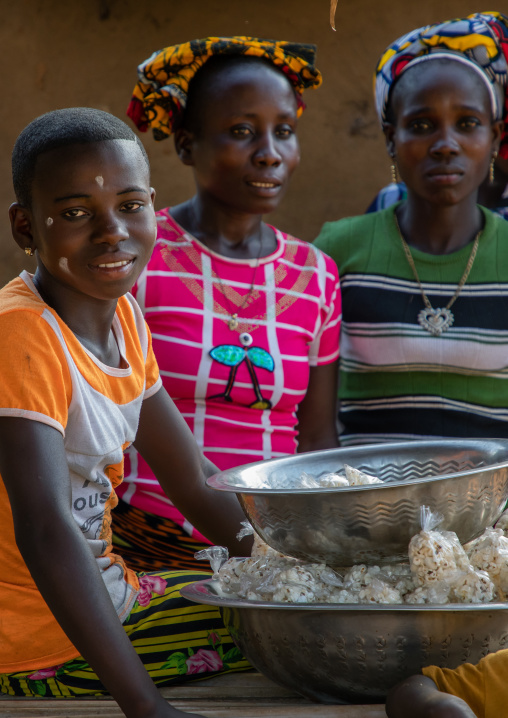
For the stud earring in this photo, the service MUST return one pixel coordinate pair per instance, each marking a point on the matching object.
(393, 170)
(491, 168)
(29, 251)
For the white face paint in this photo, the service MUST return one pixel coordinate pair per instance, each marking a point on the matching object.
(100, 180)
(49, 221)
(63, 263)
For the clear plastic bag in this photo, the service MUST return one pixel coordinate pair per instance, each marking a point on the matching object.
(489, 553)
(217, 555)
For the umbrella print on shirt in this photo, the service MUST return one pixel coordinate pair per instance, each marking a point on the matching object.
(232, 356)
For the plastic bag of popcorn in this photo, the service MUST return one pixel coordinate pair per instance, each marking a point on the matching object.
(332, 481)
(359, 478)
(489, 553)
(435, 556)
(472, 586)
(437, 592)
(379, 591)
(217, 555)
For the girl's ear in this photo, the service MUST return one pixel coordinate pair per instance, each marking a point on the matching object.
(183, 143)
(21, 226)
(389, 132)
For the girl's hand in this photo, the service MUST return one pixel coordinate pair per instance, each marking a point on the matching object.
(419, 697)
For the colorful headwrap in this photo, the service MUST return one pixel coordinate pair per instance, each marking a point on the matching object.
(479, 40)
(160, 96)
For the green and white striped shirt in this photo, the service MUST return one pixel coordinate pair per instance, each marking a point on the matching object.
(397, 381)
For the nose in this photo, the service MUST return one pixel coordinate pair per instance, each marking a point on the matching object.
(445, 142)
(266, 153)
(109, 229)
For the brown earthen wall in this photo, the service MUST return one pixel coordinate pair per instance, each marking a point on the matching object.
(63, 53)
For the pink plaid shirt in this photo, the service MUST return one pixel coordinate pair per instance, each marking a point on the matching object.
(239, 400)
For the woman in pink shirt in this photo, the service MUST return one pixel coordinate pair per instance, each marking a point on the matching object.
(244, 318)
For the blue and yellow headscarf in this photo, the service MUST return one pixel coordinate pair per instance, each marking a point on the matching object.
(160, 96)
(479, 40)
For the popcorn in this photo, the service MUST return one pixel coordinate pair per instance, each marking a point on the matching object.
(435, 556)
(473, 587)
(353, 477)
(502, 523)
(439, 571)
(359, 478)
(434, 593)
(332, 480)
(489, 553)
(378, 591)
(294, 594)
(260, 548)
(342, 596)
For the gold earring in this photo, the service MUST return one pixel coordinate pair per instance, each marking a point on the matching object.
(29, 251)
(393, 170)
(491, 168)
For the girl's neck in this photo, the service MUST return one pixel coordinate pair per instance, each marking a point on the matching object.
(438, 230)
(90, 320)
(237, 235)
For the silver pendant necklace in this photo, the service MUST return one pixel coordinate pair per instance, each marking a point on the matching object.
(233, 322)
(437, 321)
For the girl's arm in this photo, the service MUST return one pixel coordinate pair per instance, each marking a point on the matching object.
(169, 447)
(419, 697)
(317, 413)
(34, 469)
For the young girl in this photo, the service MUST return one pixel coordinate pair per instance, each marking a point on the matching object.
(80, 384)
(245, 318)
(424, 344)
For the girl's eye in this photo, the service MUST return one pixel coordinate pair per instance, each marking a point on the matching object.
(74, 213)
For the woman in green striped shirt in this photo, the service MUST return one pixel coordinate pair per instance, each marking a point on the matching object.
(424, 340)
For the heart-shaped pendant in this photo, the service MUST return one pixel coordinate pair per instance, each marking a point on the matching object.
(435, 321)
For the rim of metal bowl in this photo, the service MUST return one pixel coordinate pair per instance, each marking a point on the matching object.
(206, 592)
(220, 480)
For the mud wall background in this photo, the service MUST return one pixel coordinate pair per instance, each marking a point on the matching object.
(63, 53)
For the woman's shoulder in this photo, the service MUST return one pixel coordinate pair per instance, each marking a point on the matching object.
(337, 236)
(301, 252)
(167, 228)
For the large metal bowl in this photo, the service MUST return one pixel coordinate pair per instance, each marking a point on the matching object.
(464, 480)
(350, 653)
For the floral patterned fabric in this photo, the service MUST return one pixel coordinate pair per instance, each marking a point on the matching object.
(186, 641)
(480, 39)
(160, 96)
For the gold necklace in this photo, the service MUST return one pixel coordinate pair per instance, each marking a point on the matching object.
(437, 321)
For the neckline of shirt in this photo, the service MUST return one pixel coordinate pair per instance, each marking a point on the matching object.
(253, 262)
(441, 259)
(116, 327)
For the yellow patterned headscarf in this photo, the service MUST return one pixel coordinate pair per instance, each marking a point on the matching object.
(479, 40)
(160, 96)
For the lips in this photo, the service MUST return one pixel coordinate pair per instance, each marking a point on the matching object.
(113, 263)
(263, 185)
(443, 171)
(445, 176)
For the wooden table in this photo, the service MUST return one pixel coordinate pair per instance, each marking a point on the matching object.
(239, 695)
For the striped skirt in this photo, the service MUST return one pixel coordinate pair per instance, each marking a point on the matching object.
(176, 640)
